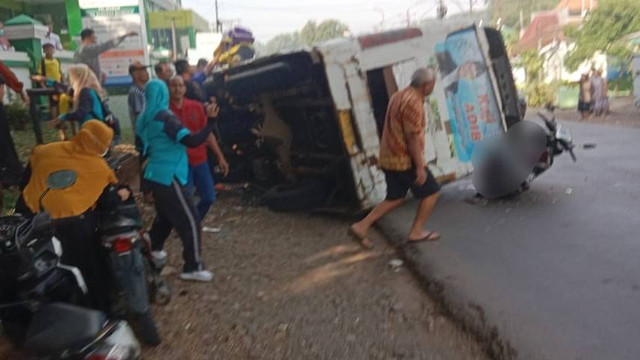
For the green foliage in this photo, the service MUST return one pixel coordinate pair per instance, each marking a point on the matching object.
(537, 92)
(509, 10)
(312, 33)
(533, 65)
(283, 42)
(604, 31)
(18, 115)
(621, 84)
(510, 36)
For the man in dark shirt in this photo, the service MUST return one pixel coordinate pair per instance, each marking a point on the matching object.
(184, 70)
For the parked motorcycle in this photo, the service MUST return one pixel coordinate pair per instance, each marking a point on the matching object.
(128, 249)
(559, 140)
(38, 295)
(125, 223)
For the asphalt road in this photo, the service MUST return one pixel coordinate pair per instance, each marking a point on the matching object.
(555, 270)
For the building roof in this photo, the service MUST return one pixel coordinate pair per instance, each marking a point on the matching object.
(22, 20)
(544, 28)
(575, 6)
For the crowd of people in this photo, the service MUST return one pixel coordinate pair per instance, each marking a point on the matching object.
(594, 98)
(173, 122)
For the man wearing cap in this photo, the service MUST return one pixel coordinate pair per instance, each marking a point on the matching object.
(140, 77)
(402, 160)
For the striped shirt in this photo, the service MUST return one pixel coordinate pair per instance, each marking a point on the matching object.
(136, 103)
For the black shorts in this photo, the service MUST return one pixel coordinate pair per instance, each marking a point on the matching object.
(399, 183)
(584, 106)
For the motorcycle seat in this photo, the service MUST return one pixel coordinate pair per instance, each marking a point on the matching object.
(57, 327)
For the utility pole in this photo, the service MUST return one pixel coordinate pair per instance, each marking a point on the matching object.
(471, 7)
(174, 41)
(442, 10)
(218, 24)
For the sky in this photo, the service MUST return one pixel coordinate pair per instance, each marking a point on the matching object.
(268, 18)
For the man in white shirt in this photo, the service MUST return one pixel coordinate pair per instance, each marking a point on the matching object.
(52, 38)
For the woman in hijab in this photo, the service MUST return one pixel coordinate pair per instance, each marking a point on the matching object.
(165, 141)
(87, 100)
(73, 207)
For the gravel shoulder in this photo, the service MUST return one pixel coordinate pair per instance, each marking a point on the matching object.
(294, 286)
(623, 113)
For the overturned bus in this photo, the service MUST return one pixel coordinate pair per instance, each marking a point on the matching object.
(305, 126)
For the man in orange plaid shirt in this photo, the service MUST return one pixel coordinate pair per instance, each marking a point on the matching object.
(402, 160)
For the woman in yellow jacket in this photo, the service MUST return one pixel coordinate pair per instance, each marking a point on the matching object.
(73, 207)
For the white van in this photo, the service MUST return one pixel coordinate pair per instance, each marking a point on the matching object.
(305, 126)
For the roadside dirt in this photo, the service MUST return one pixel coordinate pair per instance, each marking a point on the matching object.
(294, 286)
(623, 113)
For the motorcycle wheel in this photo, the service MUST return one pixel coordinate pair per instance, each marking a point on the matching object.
(159, 292)
(147, 329)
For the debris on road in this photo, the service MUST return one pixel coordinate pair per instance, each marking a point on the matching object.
(569, 191)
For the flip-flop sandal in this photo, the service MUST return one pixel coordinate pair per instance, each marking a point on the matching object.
(432, 236)
(360, 240)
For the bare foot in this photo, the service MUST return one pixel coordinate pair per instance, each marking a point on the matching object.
(424, 236)
(360, 236)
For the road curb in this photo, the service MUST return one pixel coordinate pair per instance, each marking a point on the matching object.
(467, 314)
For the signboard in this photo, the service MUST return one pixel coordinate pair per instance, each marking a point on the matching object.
(183, 19)
(470, 96)
(162, 19)
(119, 18)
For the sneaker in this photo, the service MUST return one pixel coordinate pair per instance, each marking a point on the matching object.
(159, 259)
(159, 255)
(202, 275)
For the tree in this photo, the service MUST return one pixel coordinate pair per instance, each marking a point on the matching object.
(328, 30)
(604, 30)
(288, 41)
(538, 93)
(311, 34)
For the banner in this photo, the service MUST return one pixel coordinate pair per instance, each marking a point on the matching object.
(119, 18)
(471, 100)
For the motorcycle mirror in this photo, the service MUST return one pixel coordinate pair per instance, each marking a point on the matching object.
(61, 179)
